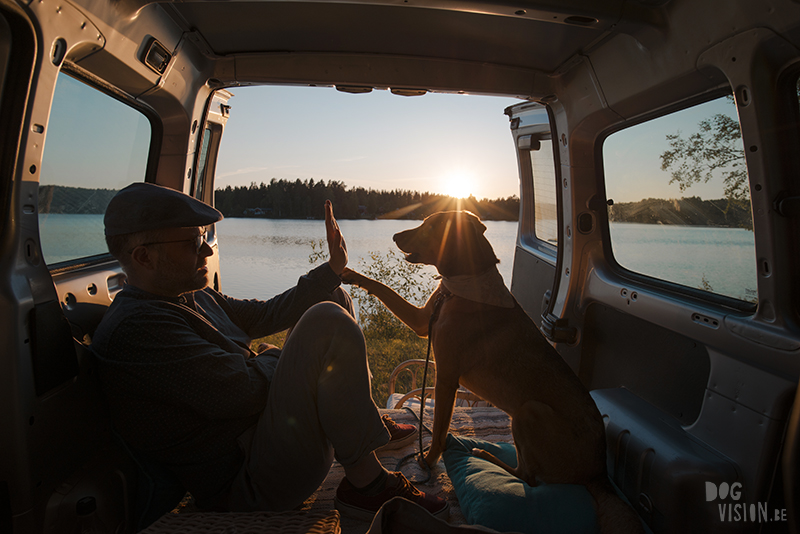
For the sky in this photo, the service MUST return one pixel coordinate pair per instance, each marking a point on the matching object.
(631, 157)
(93, 140)
(439, 143)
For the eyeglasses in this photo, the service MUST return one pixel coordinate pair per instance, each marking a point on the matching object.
(198, 242)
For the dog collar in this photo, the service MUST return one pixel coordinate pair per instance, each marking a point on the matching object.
(486, 288)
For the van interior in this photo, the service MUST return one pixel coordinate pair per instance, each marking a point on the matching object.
(694, 371)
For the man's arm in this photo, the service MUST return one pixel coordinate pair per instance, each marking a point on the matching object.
(262, 318)
(259, 318)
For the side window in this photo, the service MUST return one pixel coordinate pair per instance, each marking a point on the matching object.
(681, 201)
(202, 163)
(545, 225)
(94, 146)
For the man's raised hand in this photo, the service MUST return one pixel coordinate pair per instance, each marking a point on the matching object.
(336, 245)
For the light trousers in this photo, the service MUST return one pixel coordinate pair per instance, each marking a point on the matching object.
(320, 406)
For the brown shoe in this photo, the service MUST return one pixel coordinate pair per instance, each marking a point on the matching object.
(400, 434)
(354, 504)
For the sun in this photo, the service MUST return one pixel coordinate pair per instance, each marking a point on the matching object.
(459, 185)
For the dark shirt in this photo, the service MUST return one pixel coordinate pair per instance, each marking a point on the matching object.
(180, 379)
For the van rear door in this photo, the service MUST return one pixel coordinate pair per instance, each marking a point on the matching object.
(202, 181)
(538, 238)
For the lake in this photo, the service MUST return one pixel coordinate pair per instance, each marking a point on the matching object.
(260, 258)
(722, 260)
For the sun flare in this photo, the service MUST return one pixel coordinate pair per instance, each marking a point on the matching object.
(459, 185)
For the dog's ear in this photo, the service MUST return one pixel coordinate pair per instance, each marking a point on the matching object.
(484, 253)
(464, 248)
(476, 222)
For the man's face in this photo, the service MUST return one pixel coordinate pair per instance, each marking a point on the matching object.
(180, 266)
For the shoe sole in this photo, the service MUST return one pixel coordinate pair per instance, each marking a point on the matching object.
(399, 444)
(355, 512)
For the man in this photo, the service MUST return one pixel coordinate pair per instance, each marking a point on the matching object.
(242, 431)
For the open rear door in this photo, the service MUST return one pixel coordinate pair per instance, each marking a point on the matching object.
(536, 256)
(202, 184)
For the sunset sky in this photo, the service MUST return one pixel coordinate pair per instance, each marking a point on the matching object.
(439, 143)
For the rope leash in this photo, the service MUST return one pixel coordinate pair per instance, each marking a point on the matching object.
(435, 315)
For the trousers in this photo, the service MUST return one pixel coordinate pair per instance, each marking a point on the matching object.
(319, 408)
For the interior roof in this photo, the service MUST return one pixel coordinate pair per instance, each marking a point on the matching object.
(464, 32)
(524, 48)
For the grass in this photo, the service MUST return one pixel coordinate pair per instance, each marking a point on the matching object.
(275, 339)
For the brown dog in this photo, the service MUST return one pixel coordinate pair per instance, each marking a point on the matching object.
(483, 340)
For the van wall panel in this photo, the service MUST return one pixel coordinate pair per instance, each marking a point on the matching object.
(666, 369)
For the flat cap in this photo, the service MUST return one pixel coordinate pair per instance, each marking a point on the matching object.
(142, 206)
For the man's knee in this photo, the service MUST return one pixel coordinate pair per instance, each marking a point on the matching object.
(329, 328)
(325, 310)
(330, 317)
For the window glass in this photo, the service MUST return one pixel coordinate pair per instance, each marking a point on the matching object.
(544, 191)
(95, 145)
(681, 201)
(202, 163)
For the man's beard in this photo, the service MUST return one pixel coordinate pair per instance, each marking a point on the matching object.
(175, 282)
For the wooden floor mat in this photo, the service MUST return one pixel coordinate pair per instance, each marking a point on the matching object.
(314, 522)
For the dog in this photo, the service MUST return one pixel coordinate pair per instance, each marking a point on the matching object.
(482, 339)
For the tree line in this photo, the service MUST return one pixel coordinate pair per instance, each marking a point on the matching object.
(78, 200)
(297, 200)
(305, 199)
(691, 211)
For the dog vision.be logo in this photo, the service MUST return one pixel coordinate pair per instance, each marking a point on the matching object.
(733, 511)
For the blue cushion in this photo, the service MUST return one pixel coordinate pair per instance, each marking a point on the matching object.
(490, 496)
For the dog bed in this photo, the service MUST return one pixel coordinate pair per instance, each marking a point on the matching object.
(490, 496)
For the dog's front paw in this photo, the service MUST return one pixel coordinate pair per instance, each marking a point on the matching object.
(423, 462)
(480, 453)
(489, 457)
(431, 459)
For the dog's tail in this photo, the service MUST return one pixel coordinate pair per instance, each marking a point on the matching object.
(613, 514)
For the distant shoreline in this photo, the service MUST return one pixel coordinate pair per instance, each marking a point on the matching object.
(409, 205)
(691, 211)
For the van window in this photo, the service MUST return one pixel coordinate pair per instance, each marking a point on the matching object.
(681, 201)
(544, 191)
(202, 163)
(94, 146)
